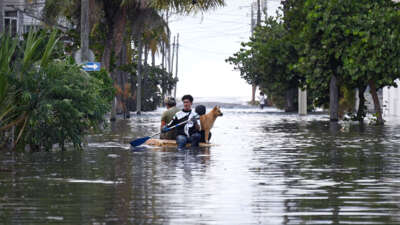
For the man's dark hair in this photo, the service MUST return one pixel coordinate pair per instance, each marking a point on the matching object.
(170, 101)
(171, 105)
(188, 97)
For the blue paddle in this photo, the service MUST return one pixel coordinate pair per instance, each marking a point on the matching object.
(142, 140)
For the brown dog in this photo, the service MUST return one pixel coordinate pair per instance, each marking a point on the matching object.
(207, 121)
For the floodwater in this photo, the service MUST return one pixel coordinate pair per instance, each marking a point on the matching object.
(266, 167)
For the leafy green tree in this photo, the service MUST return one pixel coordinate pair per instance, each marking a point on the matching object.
(48, 101)
(373, 57)
(114, 16)
(156, 81)
(267, 60)
(68, 105)
(350, 43)
(323, 44)
(118, 23)
(244, 62)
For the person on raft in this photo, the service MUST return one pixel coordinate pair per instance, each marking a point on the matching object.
(190, 132)
(167, 117)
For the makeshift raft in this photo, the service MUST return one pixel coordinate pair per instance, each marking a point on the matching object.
(171, 143)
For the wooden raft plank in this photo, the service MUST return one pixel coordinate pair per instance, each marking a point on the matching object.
(170, 143)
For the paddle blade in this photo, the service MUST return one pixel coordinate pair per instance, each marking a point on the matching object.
(139, 141)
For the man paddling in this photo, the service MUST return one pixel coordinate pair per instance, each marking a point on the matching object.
(190, 132)
(167, 117)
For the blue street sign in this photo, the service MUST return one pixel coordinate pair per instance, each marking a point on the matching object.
(92, 66)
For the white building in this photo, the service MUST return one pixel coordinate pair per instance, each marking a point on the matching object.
(22, 15)
(391, 100)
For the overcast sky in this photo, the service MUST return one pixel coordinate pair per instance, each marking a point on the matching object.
(206, 41)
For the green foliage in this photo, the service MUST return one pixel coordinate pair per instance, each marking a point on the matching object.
(157, 82)
(371, 55)
(106, 88)
(68, 104)
(48, 101)
(355, 41)
(6, 52)
(244, 61)
(268, 61)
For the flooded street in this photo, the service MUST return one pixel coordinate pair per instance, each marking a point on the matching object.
(266, 167)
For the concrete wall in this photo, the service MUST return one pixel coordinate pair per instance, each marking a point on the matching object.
(391, 100)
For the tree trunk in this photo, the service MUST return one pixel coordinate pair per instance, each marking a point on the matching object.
(1, 16)
(139, 77)
(85, 29)
(253, 94)
(290, 97)
(114, 41)
(162, 55)
(361, 104)
(105, 59)
(119, 30)
(115, 37)
(258, 12)
(146, 55)
(334, 99)
(377, 105)
(121, 82)
(153, 59)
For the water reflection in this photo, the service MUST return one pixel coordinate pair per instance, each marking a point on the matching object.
(333, 175)
(267, 167)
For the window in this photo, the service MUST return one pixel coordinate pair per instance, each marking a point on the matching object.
(11, 23)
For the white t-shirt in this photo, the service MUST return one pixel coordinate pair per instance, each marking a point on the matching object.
(262, 99)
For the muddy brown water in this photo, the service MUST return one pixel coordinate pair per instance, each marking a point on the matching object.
(267, 167)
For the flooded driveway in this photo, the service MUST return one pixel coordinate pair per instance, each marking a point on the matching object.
(267, 167)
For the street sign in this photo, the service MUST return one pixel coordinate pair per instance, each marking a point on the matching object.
(92, 66)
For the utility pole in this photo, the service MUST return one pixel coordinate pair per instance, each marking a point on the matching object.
(162, 55)
(258, 12)
(176, 69)
(139, 77)
(1, 16)
(85, 30)
(254, 86)
(171, 68)
(168, 58)
(258, 23)
(252, 20)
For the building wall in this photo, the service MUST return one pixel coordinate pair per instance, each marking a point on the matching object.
(391, 100)
(19, 11)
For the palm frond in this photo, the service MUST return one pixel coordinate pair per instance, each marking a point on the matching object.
(49, 48)
(187, 6)
(32, 43)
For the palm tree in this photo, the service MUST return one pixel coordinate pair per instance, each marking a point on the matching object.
(16, 108)
(146, 24)
(123, 21)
